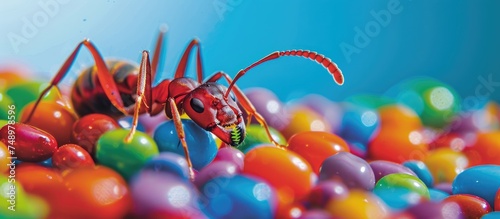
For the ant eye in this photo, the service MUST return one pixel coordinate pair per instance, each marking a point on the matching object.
(197, 105)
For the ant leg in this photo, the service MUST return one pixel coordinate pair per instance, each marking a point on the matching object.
(176, 117)
(247, 105)
(143, 91)
(158, 51)
(181, 68)
(105, 78)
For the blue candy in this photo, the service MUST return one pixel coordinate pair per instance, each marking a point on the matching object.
(359, 123)
(126, 123)
(238, 197)
(398, 198)
(201, 144)
(168, 162)
(423, 173)
(491, 215)
(482, 181)
(437, 195)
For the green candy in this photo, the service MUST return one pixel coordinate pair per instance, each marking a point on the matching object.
(256, 134)
(125, 158)
(5, 102)
(435, 102)
(402, 181)
(24, 93)
(16, 204)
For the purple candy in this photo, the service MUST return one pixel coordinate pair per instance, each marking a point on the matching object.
(427, 209)
(316, 214)
(327, 190)
(269, 106)
(232, 155)
(383, 168)
(445, 187)
(352, 170)
(157, 194)
(216, 169)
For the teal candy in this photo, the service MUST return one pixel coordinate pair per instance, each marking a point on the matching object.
(423, 173)
(482, 181)
(398, 198)
(201, 144)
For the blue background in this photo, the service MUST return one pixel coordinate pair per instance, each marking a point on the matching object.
(455, 42)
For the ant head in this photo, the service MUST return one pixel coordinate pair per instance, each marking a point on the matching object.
(207, 106)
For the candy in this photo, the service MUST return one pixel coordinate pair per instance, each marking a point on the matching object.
(396, 181)
(491, 215)
(285, 170)
(383, 168)
(397, 145)
(471, 206)
(163, 196)
(398, 198)
(353, 171)
(485, 150)
(256, 134)
(168, 162)
(445, 164)
(330, 111)
(201, 144)
(315, 147)
(436, 195)
(215, 169)
(359, 124)
(435, 102)
(304, 119)
(126, 123)
(4, 158)
(397, 116)
(497, 201)
(98, 192)
(5, 103)
(482, 181)
(70, 156)
(232, 155)
(366, 204)
(316, 214)
(31, 144)
(421, 170)
(370, 101)
(233, 197)
(15, 203)
(327, 190)
(127, 158)
(427, 209)
(88, 129)
(481, 118)
(26, 92)
(53, 117)
(269, 106)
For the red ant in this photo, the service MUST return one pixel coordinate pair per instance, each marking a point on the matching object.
(207, 103)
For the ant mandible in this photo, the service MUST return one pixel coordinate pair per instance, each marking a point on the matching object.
(208, 103)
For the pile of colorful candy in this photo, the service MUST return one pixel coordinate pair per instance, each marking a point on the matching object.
(417, 152)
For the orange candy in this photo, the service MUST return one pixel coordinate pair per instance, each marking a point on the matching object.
(485, 150)
(315, 147)
(4, 159)
(286, 171)
(399, 117)
(98, 192)
(303, 119)
(445, 164)
(398, 145)
(55, 118)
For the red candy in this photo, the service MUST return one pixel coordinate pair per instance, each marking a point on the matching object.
(55, 118)
(471, 206)
(315, 147)
(70, 156)
(31, 144)
(88, 129)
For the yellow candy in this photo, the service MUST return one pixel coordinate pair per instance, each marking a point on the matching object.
(445, 164)
(358, 204)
